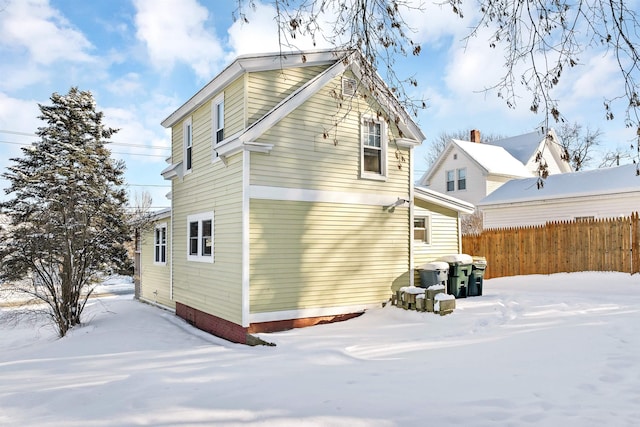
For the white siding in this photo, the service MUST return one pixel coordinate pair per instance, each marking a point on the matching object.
(476, 181)
(540, 212)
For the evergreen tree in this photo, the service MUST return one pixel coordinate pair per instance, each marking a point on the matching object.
(68, 223)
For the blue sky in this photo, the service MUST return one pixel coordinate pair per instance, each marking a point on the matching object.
(143, 58)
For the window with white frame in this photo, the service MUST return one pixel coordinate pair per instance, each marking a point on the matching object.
(160, 244)
(374, 148)
(200, 237)
(456, 176)
(217, 120)
(187, 136)
(451, 183)
(462, 179)
(422, 229)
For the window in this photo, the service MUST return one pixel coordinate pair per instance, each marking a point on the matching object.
(160, 244)
(422, 229)
(200, 237)
(217, 119)
(187, 135)
(462, 179)
(374, 148)
(450, 181)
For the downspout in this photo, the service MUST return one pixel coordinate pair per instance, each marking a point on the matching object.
(459, 234)
(411, 224)
(246, 230)
(171, 253)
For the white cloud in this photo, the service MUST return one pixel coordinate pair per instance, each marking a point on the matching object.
(260, 34)
(128, 84)
(436, 24)
(42, 31)
(19, 115)
(175, 31)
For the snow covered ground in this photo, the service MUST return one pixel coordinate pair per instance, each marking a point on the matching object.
(559, 350)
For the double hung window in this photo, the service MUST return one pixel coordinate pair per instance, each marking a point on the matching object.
(217, 122)
(422, 229)
(456, 177)
(374, 149)
(200, 237)
(187, 136)
(160, 244)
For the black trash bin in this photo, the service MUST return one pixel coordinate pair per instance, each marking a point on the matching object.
(478, 267)
(433, 273)
(459, 272)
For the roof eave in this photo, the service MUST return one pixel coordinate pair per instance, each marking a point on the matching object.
(250, 63)
(443, 200)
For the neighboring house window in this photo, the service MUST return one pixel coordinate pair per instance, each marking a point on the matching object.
(422, 229)
(200, 237)
(462, 179)
(187, 135)
(374, 148)
(584, 218)
(451, 181)
(160, 244)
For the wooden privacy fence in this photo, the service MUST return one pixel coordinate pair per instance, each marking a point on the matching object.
(556, 247)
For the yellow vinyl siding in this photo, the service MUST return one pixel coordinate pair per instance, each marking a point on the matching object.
(309, 255)
(319, 155)
(234, 115)
(155, 278)
(211, 187)
(267, 88)
(444, 234)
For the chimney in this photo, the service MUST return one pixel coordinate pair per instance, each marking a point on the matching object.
(475, 135)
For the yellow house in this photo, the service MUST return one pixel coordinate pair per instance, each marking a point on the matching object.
(292, 190)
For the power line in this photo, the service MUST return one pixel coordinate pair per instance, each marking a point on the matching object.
(12, 132)
(164, 156)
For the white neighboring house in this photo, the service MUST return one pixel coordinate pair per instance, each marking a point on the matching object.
(470, 170)
(599, 193)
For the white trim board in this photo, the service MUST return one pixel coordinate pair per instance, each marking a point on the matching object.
(322, 196)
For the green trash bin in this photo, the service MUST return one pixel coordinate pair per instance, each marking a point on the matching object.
(478, 267)
(460, 266)
(433, 273)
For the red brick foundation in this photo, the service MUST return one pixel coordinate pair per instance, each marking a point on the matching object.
(236, 333)
(212, 324)
(283, 325)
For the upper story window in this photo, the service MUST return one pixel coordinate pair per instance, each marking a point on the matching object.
(422, 229)
(187, 137)
(374, 149)
(462, 179)
(160, 244)
(451, 183)
(458, 176)
(200, 237)
(217, 108)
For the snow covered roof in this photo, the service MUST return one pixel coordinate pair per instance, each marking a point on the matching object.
(522, 147)
(493, 159)
(443, 200)
(620, 179)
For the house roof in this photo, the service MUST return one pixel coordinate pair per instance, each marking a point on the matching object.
(443, 200)
(620, 179)
(492, 159)
(522, 147)
(251, 63)
(339, 61)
